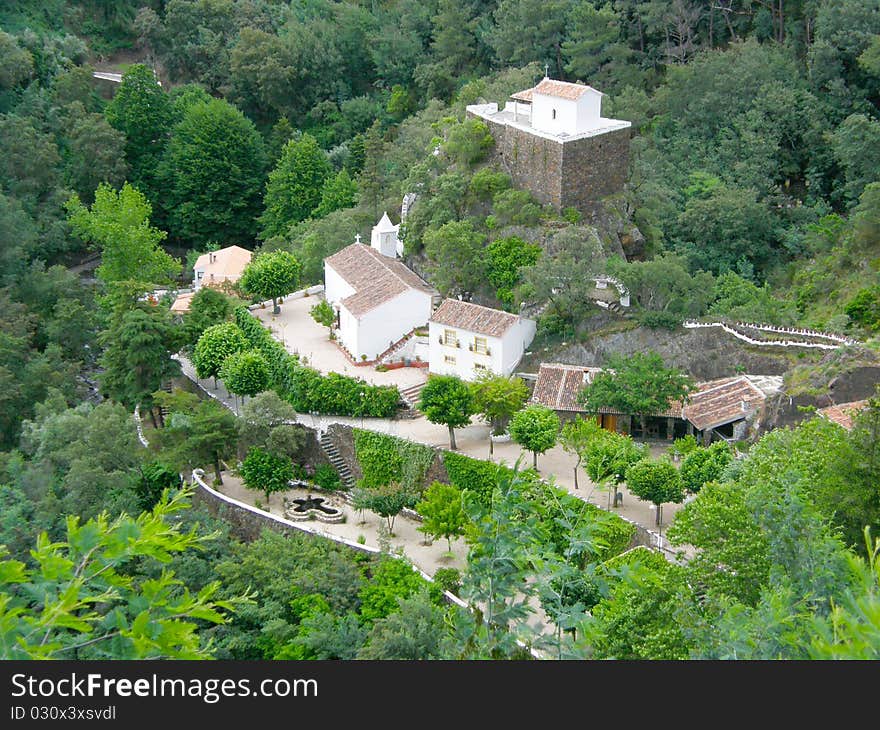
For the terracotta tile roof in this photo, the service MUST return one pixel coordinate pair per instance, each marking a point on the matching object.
(718, 402)
(713, 404)
(182, 303)
(375, 278)
(474, 318)
(227, 263)
(525, 95)
(843, 413)
(562, 89)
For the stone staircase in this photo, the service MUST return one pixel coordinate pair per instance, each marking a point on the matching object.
(336, 460)
(410, 395)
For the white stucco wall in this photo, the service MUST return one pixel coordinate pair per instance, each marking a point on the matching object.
(348, 331)
(572, 117)
(515, 342)
(335, 287)
(504, 352)
(464, 358)
(380, 327)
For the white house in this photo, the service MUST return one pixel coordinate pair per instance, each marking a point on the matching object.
(216, 267)
(466, 339)
(378, 300)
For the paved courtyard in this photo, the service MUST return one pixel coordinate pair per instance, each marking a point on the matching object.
(302, 336)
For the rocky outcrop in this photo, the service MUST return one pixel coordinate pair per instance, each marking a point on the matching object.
(704, 354)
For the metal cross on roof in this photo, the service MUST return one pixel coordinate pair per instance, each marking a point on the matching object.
(357, 237)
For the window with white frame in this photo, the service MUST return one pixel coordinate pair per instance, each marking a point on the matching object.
(449, 359)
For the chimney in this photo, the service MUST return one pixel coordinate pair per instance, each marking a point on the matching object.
(744, 405)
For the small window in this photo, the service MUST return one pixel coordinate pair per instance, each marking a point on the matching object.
(449, 359)
(450, 338)
(481, 346)
(479, 366)
(554, 114)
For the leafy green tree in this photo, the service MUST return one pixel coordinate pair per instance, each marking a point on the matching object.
(137, 359)
(245, 373)
(592, 47)
(18, 63)
(497, 398)
(210, 435)
(118, 223)
(448, 400)
(388, 501)
(854, 144)
(851, 630)
(535, 428)
(337, 192)
(452, 49)
(270, 276)
(323, 313)
(443, 513)
(496, 583)
(609, 456)
(142, 111)
(390, 581)
(269, 422)
(719, 524)
(416, 631)
(86, 604)
(639, 618)
(505, 258)
(744, 301)
(155, 477)
(664, 284)
(213, 172)
(657, 482)
(530, 30)
(640, 384)
(295, 186)
(94, 154)
(456, 251)
(209, 306)
(216, 343)
(727, 230)
(705, 465)
(562, 275)
(266, 472)
(576, 437)
(467, 142)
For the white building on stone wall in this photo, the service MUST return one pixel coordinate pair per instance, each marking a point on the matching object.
(467, 339)
(378, 300)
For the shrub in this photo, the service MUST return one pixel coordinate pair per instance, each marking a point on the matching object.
(660, 320)
(327, 477)
(449, 579)
(323, 313)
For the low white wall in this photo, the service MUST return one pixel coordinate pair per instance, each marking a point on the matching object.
(310, 528)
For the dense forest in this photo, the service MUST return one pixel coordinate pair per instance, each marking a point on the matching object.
(753, 194)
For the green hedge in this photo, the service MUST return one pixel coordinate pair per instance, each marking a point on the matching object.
(480, 477)
(307, 390)
(385, 459)
(638, 555)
